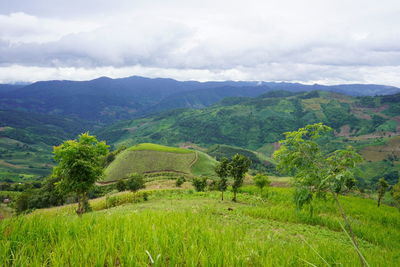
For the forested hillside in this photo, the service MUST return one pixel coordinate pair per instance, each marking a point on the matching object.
(258, 123)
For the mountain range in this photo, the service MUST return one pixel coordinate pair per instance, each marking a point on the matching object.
(106, 100)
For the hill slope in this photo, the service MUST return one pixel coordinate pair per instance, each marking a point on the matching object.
(152, 158)
(258, 123)
(182, 228)
(26, 141)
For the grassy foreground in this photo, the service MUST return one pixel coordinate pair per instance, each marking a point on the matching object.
(182, 228)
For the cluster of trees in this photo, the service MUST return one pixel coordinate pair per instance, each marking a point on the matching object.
(235, 168)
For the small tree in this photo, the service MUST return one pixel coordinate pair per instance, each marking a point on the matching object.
(239, 165)
(382, 187)
(180, 181)
(199, 184)
(222, 170)
(80, 165)
(135, 182)
(315, 171)
(261, 181)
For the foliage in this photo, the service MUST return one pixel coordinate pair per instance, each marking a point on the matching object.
(79, 166)
(261, 181)
(199, 184)
(223, 170)
(135, 182)
(239, 165)
(382, 187)
(315, 171)
(180, 181)
(35, 198)
(257, 162)
(120, 185)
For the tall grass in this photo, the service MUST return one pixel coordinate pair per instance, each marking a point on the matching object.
(196, 229)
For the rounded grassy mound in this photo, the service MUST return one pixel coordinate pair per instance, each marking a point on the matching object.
(152, 158)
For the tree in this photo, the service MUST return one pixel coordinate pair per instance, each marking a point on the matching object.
(135, 182)
(382, 187)
(222, 169)
(315, 171)
(261, 181)
(80, 165)
(239, 165)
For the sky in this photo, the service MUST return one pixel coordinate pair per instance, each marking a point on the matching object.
(308, 41)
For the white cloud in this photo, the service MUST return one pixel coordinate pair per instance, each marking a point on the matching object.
(310, 40)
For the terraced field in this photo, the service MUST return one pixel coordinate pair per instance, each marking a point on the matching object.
(152, 158)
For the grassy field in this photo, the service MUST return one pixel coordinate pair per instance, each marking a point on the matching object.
(182, 228)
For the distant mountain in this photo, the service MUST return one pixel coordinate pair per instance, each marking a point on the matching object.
(10, 87)
(106, 100)
(101, 100)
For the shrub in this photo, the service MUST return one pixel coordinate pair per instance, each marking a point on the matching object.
(135, 182)
(180, 181)
(199, 184)
(121, 186)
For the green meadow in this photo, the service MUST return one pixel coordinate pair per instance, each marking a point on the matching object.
(179, 227)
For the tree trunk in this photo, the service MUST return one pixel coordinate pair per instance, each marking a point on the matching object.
(234, 196)
(379, 201)
(349, 228)
(222, 195)
(83, 203)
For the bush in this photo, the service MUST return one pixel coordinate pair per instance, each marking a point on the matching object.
(112, 201)
(180, 181)
(213, 186)
(120, 185)
(199, 184)
(135, 182)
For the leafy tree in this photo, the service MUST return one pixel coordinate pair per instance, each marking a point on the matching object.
(180, 181)
(261, 181)
(199, 184)
(223, 170)
(135, 182)
(121, 185)
(382, 188)
(80, 164)
(315, 171)
(239, 165)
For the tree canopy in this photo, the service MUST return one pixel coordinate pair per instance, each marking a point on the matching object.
(80, 165)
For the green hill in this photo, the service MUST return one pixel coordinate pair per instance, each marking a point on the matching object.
(151, 158)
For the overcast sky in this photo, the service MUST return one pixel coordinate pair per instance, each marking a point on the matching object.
(310, 41)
